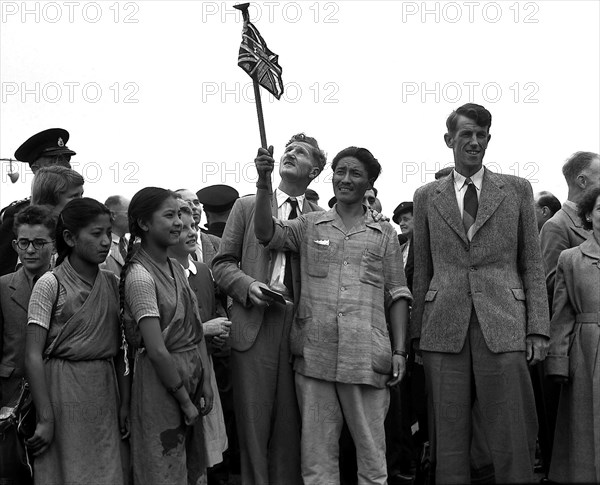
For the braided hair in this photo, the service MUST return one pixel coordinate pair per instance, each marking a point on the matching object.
(76, 215)
(143, 204)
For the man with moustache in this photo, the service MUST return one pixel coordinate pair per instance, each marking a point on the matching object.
(480, 313)
(265, 403)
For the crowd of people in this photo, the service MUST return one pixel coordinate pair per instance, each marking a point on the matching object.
(288, 344)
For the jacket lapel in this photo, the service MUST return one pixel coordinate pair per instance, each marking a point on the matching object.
(576, 225)
(20, 289)
(491, 197)
(445, 202)
(591, 249)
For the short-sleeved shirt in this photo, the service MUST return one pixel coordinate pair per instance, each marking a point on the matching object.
(348, 278)
(140, 290)
(44, 298)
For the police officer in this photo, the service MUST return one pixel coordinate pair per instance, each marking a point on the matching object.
(41, 150)
(217, 201)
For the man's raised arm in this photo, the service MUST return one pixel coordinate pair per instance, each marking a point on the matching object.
(263, 222)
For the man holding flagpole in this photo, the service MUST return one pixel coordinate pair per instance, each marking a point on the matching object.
(265, 406)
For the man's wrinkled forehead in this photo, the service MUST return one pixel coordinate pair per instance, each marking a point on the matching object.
(307, 146)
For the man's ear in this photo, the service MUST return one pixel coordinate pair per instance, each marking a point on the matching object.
(314, 173)
(581, 181)
(449, 139)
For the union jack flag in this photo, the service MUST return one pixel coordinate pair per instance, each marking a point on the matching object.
(257, 59)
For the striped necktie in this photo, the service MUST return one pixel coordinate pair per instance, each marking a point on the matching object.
(470, 205)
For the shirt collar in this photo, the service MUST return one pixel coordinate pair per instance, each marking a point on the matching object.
(476, 178)
(116, 238)
(571, 204)
(332, 216)
(282, 197)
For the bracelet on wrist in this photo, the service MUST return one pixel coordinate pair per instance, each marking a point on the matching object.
(401, 352)
(175, 388)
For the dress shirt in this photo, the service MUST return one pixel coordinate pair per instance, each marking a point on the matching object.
(283, 213)
(460, 188)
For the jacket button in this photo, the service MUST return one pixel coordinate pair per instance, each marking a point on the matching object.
(469, 293)
(473, 268)
(467, 248)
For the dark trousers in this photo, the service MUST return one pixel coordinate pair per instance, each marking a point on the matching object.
(501, 384)
(266, 409)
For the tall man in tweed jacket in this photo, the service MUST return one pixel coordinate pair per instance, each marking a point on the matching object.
(265, 404)
(480, 308)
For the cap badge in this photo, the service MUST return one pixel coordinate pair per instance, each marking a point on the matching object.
(61, 143)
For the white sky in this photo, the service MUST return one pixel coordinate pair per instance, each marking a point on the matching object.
(151, 93)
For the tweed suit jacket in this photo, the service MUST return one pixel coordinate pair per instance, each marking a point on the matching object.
(14, 301)
(563, 231)
(210, 246)
(499, 272)
(240, 261)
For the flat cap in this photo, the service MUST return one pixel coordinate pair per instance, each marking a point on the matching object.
(401, 209)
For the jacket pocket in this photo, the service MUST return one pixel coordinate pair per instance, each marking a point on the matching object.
(297, 335)
(518, 293)
(381, 351)
(430, 295)
(318, 260)
(6, 370)
(371, 267)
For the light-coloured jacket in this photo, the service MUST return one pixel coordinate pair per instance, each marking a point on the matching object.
(499, 272)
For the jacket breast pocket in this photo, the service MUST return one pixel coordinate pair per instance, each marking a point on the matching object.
(371, 267)
(318, 260)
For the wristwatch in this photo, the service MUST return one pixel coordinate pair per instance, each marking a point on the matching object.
(402, 353)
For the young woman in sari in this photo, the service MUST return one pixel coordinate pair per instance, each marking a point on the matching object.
(71, 353)
(162, 323)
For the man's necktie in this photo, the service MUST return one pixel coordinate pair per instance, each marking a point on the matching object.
(123, 247)
(287, 275)
(470, 205)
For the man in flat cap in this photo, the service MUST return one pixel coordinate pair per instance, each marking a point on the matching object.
(217, 201)
(43, 149)
(266, 409)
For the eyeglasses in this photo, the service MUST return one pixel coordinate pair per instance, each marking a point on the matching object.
(23, 244)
